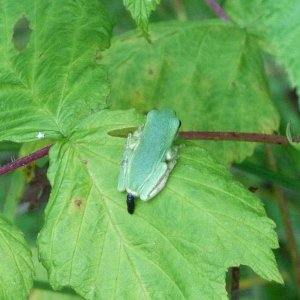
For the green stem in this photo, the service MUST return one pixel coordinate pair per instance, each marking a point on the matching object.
(180, 10)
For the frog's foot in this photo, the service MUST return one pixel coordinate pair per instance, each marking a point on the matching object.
(172, 154)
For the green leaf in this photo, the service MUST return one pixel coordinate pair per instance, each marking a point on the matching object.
(210, 72)
(16, 268)
(245, 15)
(178, 245)
(140, 11)
(50, 78)
(278, 23)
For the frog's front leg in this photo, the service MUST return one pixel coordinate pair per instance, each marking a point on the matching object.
(172, 154)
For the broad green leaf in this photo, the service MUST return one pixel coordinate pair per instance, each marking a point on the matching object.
(178, 245)
(140, 11)
(51, 81)
(279, 24)
(16, 268)
(211, 73)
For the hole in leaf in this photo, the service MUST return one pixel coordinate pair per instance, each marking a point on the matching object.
(21, 34)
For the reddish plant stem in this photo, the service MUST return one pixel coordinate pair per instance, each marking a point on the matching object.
(236, 136)
(217, 9)
(190, 135)
(235, 283)
(24, 160)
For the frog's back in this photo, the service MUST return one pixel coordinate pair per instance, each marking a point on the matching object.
(160, 129)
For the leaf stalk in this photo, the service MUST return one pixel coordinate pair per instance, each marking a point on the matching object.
(237, 136)
(24, 160)
(189, 135)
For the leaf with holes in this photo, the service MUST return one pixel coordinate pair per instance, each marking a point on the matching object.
(178, 245)
(16, 268)
(48, 73)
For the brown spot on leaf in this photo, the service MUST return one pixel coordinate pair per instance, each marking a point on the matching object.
(137, 93)
(78, 202)
(150, 71)
(85, 161)
(98, 57)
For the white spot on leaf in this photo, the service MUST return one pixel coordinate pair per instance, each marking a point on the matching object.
(40, 135)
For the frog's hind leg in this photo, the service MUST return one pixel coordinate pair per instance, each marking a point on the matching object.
(172, 154)
(159, 179)
(128, 152)
(131, 144)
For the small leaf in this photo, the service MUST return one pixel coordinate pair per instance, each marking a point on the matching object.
(178, 245)
(52, 80)
(16, 268)
(140, 11)
(210, 72)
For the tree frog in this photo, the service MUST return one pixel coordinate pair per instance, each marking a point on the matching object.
(149, 157)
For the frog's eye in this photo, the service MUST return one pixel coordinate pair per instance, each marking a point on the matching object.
(130, 203)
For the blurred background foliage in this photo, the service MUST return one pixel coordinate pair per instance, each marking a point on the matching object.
(273, 172)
